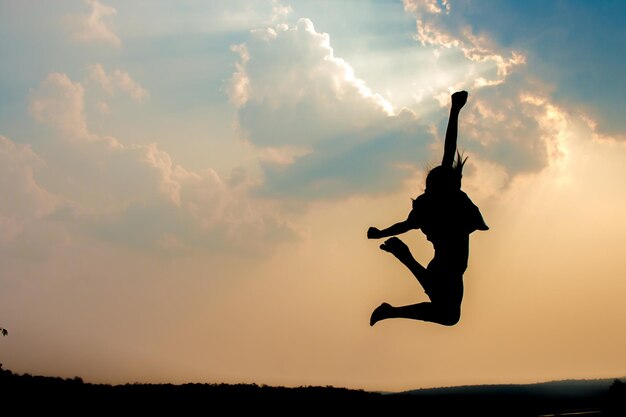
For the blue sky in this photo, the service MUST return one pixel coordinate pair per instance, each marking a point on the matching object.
(573, 45)
(224, 159)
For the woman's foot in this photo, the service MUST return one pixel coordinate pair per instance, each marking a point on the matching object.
(380, 313)
(397, 248)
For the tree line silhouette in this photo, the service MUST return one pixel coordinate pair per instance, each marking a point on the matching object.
(75, 396)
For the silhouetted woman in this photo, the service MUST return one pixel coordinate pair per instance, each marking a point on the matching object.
(447, 216)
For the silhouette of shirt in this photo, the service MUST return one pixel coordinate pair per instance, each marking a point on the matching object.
(447, 219)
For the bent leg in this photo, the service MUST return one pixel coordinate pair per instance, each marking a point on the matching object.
(444, 309)
(447, 315)
(401, 251)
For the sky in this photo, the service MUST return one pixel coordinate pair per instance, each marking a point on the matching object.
(187, 188)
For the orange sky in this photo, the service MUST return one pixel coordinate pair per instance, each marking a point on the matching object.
(188, 202)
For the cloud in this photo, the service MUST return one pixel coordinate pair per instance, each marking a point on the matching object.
(438, 25)
(373, 160)
(294, 70)
(429, 6)
(280, 11)
(511, 125)
(92, 27)
(28, 233)
(117, 80)
(515, 125)
(59, 102)
(331, 135)
(26, 201)
(322, 133)
(136, 194)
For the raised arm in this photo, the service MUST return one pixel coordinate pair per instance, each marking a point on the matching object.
(449, 148)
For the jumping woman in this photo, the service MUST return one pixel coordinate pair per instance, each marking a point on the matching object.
(447, 217)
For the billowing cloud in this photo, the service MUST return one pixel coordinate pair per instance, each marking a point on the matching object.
(279, 10)
(372, 160)
(93, 27)
(25, 200)
(516, 126)
(292, 71)
(135, 193)
(117, 80)
(511, 125)
(439, 26)
(322, 133)
(60, 103)
(337, 137)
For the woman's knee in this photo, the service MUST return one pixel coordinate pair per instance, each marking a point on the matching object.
(449, 316)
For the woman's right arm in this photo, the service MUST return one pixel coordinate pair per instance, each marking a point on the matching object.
(393, 230)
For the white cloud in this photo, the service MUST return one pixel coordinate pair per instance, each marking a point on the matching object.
(554, 124)
(597, 135)
(321, 131)
(239, 83)
(516, 127)
(25, 200)
(137, 194)
(293, 64)
(280, 11)
(430, 6)
(526, 143)
(93, 27)
(117, 80)
(439, 26)
(510, 126)
(59, 102)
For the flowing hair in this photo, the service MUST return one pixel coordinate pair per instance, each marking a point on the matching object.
(459, 163)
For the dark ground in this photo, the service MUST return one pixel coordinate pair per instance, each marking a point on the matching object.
(27, 394)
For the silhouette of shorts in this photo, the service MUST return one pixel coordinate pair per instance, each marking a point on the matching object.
(445, 290)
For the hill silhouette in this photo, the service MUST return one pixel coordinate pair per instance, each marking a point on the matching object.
(26, 394)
